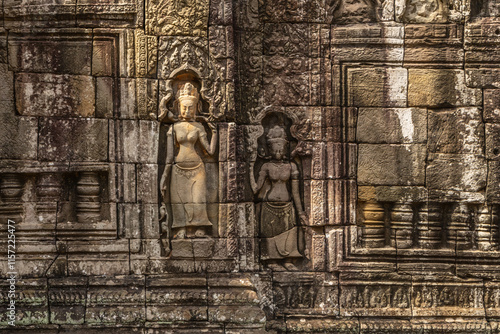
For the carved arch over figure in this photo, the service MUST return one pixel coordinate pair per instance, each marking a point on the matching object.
(178, 76)
(276, 177)
(190, 55)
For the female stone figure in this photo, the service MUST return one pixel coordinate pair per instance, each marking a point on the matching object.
(278, 222)
(186, 170)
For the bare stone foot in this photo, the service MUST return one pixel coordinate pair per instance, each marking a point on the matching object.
(181, 234)
(200, 233)
(290, 266)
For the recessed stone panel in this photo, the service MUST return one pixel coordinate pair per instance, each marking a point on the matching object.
(67, 51)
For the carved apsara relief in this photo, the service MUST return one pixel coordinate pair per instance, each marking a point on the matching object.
(191, 141)
(185, 168)
(275, 180)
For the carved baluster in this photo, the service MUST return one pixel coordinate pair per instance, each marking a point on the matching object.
(459, 232)
(48, 191)
(374, 225)
(495, 227)
(11, 191)
(430, 226)
(11, 188)
(88, 205)
(401, 225)
(487, 233)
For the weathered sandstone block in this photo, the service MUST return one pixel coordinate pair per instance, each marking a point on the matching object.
(440, 88)
(391, 164)
(377, 87)
(392, 126)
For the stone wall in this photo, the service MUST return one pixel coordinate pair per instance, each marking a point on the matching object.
(339, 172)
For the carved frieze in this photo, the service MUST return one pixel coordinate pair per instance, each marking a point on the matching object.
(177, 55)
(177, 18)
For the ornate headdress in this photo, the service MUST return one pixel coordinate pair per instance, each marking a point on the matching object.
(276, 134)
(188, 91)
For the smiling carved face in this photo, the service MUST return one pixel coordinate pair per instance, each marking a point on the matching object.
(187, 108)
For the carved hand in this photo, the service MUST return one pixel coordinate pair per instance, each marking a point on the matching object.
(212, 127)
(304, 220)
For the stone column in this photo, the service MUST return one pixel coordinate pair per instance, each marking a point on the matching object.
(11, 191)
(88, 202)
(459, 232)
(11, 188)
(374, 225)
(430, 231)
(401, 226)
(48, 192)
(486, 230)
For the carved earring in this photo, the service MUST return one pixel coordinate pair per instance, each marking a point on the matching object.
(200, 107)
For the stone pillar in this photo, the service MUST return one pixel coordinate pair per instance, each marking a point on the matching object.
(374, 225)
(88, 204)
(401, 226)
(430, 226)
(48, 192)
(486, 230)
(459, 233)
(11, 191)
(11, 188)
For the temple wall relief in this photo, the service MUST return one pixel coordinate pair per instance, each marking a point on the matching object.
(257, 166)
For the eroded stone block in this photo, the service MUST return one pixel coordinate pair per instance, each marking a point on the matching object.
(492, 141)
(67, 51)
(392, 126)
(137, 141)
(391, 164)
(461, 172)
(44, 13)
(493, 189)
(377, 87)
(105, 97)
(440, 88)
(492, 105)
(483, 78)
(458, 130)
(6, 90)
(18, 137)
